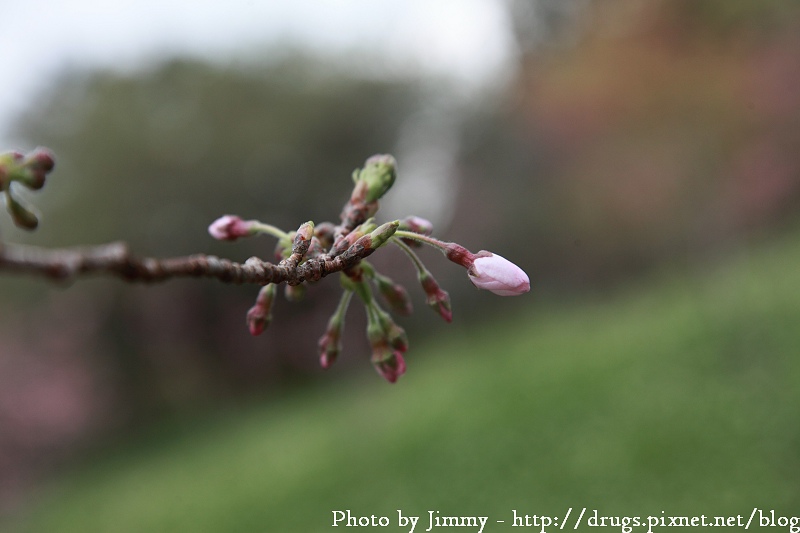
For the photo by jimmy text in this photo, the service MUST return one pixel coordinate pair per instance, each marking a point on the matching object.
(427, 522)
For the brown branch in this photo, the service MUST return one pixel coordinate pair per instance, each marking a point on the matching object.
(115, 259)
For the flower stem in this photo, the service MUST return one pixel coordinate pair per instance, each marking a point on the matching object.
(454, 252)
(341, 309)
(260, 227)
(410, 253)
(430, 241)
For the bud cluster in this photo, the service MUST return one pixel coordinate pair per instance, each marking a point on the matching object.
(357, 236)
(29, 171)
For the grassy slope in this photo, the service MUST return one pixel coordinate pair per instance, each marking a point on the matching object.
(683, 397)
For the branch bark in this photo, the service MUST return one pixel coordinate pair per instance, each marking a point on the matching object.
(116, 259)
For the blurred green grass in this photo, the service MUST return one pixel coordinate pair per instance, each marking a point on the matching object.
(681, 395)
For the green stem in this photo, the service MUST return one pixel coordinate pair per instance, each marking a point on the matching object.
(430, 241)
(344, 303)
(260, 227)
(411, 255)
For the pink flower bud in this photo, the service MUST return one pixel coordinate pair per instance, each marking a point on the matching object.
(329, 346)
(417, 225)
(396, 295)
(497, 274)
(437, 298)
(390, 365)
(41, 159)
(229, 228)
(257, 320)
(260, 315)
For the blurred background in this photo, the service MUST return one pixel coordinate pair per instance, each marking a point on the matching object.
(640, 160)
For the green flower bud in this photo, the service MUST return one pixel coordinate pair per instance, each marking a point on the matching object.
(22, 215)
(382, 234)
(378, 175)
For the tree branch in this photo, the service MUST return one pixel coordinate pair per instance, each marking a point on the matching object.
(115, 259)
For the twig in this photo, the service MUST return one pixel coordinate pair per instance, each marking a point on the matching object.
(115, 259)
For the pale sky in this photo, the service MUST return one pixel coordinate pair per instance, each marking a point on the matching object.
(469, 40)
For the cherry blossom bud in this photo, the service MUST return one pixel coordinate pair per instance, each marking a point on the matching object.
(330, 346)
(23, 216)
(377, 176)
(417, 225)
(437, 298)
(260, 315)
(10, 168)
(389, 364)
(382, 233)
(302, 238)
(348, 240)
(497, 274)
(41, 158)
(392, 333)
(230, 228)
(38, 164)
(372, 241)
(28, 170)
(394, 294)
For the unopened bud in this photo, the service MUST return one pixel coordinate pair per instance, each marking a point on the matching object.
(330, 344)
(394, 334)
(260, 315)
(378, 176)
(329, 347)
(417, 225)
(372, 241)
(30, 171)
(38, 164)
(10, 167)
(348, 240)
(23, 216)
(389, 364)
(395, 295)
(41, 159)
(497, 274)
(437, 298)
(230, 228)
(382, 233)
(302, 238)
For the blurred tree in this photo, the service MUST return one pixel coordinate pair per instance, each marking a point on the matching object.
(652, 133)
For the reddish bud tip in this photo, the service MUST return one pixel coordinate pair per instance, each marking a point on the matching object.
(257, 320)
(459, 255)
(329, 347)
(437, 298)
(417, 225)
(391, 367)
(229, 228)
(42, 159)
(396, 296)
